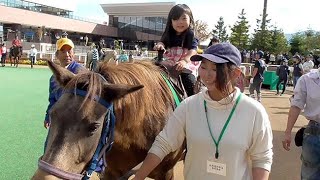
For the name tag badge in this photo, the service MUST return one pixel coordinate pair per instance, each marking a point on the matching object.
(216, 168)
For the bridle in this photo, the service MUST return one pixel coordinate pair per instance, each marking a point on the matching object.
(105, 142)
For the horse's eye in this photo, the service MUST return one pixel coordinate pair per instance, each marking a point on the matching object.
(93, 127)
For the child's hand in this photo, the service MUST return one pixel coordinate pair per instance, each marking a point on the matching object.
(159, 46)
(181, 65)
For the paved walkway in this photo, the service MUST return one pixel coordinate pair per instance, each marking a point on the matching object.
(286, 165)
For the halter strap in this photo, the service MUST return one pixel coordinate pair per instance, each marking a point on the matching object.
(105, 142)
(57, 172)
(107, 135)
(83, 93)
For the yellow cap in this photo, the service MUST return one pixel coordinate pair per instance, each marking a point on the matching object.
(64, 41)
(199, 51)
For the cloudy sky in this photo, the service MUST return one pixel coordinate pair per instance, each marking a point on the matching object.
(289, 15)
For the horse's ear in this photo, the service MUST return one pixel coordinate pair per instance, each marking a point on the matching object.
(62, 75)
(117, 91)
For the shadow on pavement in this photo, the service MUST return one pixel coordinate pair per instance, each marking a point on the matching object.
(286, 164)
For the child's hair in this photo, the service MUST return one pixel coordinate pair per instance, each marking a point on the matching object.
(169, 33)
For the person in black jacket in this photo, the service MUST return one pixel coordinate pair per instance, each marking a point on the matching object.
(297, 69)
(283, 73)
(257, 76)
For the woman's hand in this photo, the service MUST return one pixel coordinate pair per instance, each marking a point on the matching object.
(181, 65)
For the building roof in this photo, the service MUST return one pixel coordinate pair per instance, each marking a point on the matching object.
(12, 15)
(61, 4)
(157, 9)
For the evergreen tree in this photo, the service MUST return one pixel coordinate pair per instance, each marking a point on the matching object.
(262, 36)
(296, 43)
(317, 39)
(239, 32)
(279, 42)
(310, 41)
(305, 42)
(220, 30)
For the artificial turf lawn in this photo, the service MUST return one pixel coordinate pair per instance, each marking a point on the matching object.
(23, 101)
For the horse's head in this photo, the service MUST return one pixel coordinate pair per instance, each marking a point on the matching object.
(77, 121)
(110, 55)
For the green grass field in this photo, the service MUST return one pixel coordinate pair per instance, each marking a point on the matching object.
(23, 101)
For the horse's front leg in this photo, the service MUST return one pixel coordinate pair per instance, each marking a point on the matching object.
(17, 61)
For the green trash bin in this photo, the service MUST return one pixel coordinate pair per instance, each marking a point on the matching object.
(271, 79)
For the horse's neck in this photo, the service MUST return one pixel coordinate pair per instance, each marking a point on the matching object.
(137, 136)
(17, 51)
(39, 174)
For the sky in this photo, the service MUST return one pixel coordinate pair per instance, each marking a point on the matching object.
(289, 15)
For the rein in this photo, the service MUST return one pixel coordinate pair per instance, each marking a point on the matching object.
(105, 143)
(176, 98)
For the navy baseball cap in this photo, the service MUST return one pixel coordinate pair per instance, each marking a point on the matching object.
(220, 53)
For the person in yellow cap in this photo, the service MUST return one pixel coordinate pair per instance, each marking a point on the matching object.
(65, 56)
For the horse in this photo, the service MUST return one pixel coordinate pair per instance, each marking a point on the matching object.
(109, 56)
(141, 102)
(15, 55)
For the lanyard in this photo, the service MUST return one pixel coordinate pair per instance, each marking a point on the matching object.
(224, 127)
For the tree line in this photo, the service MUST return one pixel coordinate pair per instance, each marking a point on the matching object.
(266, 37)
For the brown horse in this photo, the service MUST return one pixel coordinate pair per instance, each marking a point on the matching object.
(109, 56)
(15, 55)
(77, 122)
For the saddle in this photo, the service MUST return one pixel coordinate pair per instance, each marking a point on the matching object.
(172, 75)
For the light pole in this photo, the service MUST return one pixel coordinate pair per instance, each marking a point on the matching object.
(264, 15)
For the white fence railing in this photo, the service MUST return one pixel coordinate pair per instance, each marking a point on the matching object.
(81, 57)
